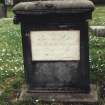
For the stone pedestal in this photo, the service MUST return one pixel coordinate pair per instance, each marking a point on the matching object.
(56, 50)
(71, 98)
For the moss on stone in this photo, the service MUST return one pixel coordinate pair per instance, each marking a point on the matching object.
(71, 6)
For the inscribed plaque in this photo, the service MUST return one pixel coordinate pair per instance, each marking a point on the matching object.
(55, 45)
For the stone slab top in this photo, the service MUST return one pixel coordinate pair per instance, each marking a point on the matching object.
(54, 6)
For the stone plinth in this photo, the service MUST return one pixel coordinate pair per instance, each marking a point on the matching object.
(44, 96)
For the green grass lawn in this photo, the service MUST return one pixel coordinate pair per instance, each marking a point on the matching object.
(97, 47)
(11, 63)
(10, 12)
(11, 59)
(98, 16)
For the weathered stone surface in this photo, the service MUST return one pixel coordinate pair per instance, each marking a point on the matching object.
(91, 97)
(56, 75)
(79, 6)
(95, 1)
(58, 80)
(98, 30)
(55, 45)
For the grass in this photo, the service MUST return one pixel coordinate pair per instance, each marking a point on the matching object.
(11, 63)
(98, 16)
(97, 47)
(9, 12)
(10, 49)
(11, 59)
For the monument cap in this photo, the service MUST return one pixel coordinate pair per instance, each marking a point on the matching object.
(54, 6)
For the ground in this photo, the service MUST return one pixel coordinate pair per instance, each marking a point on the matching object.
(11, 58)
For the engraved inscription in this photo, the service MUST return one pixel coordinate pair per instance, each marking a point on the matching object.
(55, 45)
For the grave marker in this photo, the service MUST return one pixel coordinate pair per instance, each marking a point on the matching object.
(56, 50)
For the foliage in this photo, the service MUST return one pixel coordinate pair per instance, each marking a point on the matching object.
(97, 49)
(11, 63)
(10, 49)
(97, 58)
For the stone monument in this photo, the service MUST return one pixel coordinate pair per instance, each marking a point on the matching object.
(56, 50)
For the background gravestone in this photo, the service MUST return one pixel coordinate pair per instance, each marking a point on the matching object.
(2, 11)
(3, 8)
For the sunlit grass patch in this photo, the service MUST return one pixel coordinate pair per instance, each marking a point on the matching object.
(11, 60)
(10, 50)
(98, 16)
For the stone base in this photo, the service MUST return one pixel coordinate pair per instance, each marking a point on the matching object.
(91, 97)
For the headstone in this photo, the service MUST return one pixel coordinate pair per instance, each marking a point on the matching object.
(55, 46)
(98, 30)
(2, 11)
